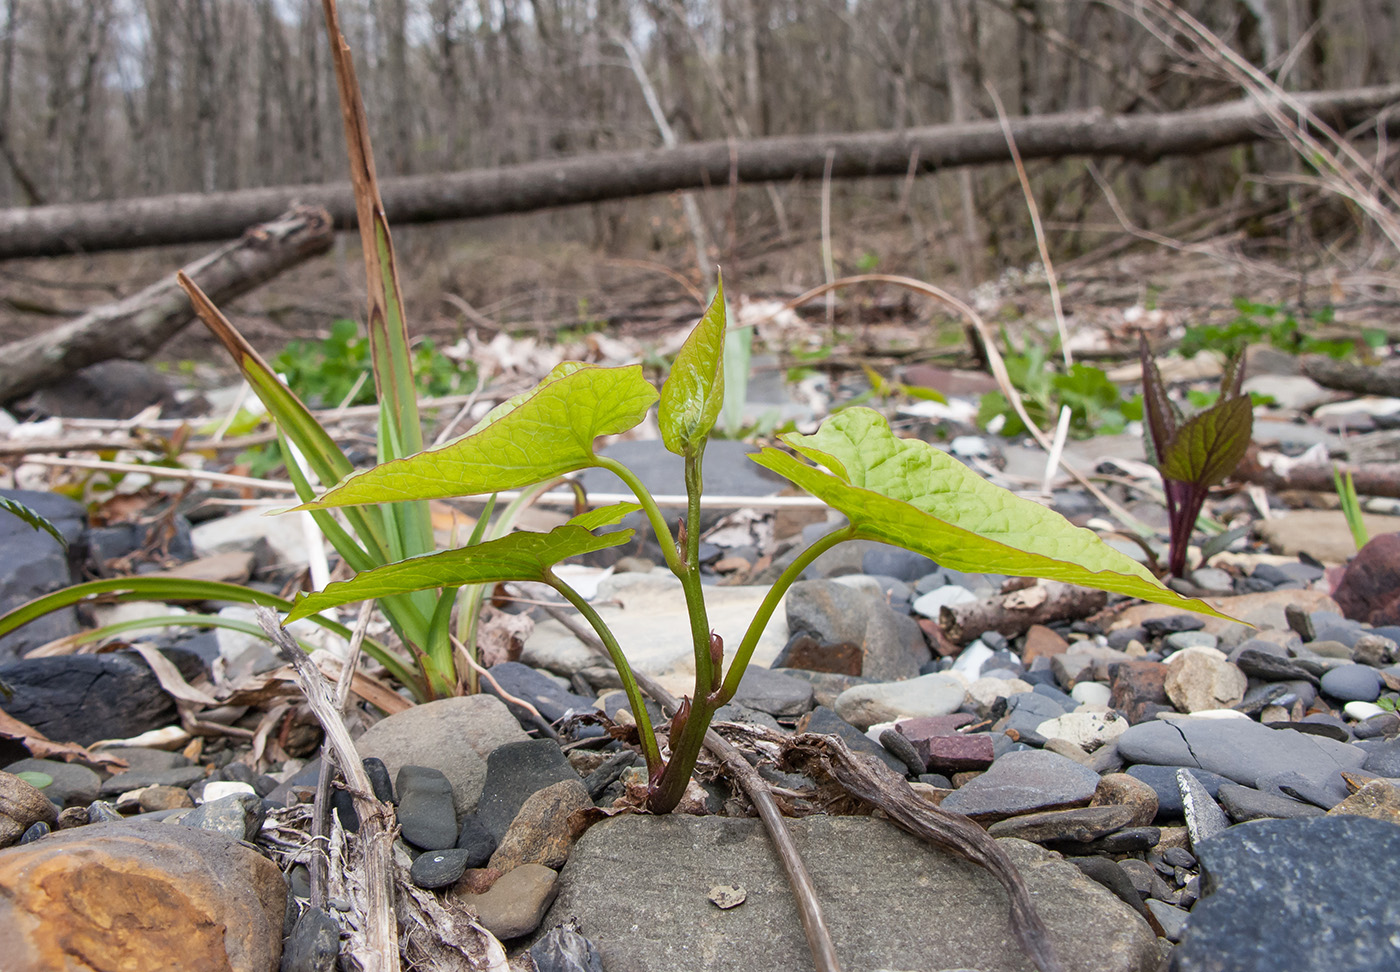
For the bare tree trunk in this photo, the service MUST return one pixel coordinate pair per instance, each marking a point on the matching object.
(135, 327)
(132, 223)
(954, 36)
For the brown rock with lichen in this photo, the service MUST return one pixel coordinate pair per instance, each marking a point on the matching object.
(140, 897)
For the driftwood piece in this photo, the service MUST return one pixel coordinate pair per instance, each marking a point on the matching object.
(1014, 613)
(1352, 376)
(1371, 478)
(136, 327)
(195, 217)
(376, 946)
(878, 785)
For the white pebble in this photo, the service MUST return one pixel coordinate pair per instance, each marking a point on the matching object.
(222, 788)
(1090, 693)
(1361, 711)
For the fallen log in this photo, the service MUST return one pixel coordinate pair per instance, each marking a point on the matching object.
(1370, 478)
(199, 217)
(1351, 376)
(137, 326)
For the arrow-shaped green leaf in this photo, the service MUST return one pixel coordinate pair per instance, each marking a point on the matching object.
(528, 439)
(905, 492)
(515, 557)
(605, 515)
(694, 392)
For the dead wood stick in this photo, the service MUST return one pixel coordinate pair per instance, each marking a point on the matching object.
(136, 327)
(1371, 478)
(809, 909)
(1351, 376)
(876, 784)
(1014, 613)
(378, 950)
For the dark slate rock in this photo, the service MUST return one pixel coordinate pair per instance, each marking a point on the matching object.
(1242, 750)
(897, 562)
(438, 868)
(1129, 840)
(475, 841)
(514, 773)
(1027, 710)
(141, 758)
(1276, 900)
(1353, 683)
(1024, 782)
(1244, 803)
(73, 784)
(344, 804)
(903, 750)
(35, 831)
(994, 640)
(824, 720)
(100, 811)
(35, 564)
(564, 949)
(729, 712)
(1119, 639)
(314, 944)
(1162, 779)
(1331, 626)
(773, 692)
(1156, 627)
(426, 813)
(1078, 824)
(537, 688)
(112, 542)
(1271, 667)
(608, 772)
(1064, 699)
(182, 776)
(1382, 757)
(84, 698)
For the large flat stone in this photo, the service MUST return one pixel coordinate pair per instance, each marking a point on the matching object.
(890, 900)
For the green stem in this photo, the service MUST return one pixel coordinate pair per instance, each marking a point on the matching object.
(705, 675)
(649, 507)
(669, 789)
(770, 604)
(650, 749)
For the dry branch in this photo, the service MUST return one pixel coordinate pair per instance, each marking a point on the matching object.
(1362, 379)
(135, 328)
(1014, 613)
(195, 217)
(1371, 478)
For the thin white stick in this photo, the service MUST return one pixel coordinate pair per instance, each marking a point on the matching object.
(164, 472)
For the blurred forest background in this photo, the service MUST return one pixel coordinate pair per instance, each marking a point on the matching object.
(108, 99)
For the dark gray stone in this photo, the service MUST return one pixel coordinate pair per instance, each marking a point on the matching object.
(514, 773)
(1113, 877)
(35, 831)
(35, 564)
(314, 944)
(1331, 626)
(1025, 711)
(438, 868)
(773, 692)
(475, 841)
(895, 890)
(1276, 900)
(1382, 757)
(564, 949)
(1271, 667)
(183, 776)
(903, 750)
(832, 613)
(84, 698)
(100, 811)
(537, 688)
(1353, 683)
(1245, 803)
(426, 813)
(1242, 750)
(1024, 782)
(897, 562)
(1162, 779)
(729, 712)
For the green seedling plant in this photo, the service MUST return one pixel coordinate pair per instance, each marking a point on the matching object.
(1096, 405)
(1351, 506)
(1275, 325)
(893, 490)
(1192, 454)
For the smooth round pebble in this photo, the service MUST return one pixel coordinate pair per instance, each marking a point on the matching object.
(438, 869)
(1361, 711)
(1352, 683)
(218, 789)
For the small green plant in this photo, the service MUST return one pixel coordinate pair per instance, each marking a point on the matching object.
(1193, 454)
(1351, 506)
(1271, 324)
(335, 370)
(893, 490)
(35, 520)
(1095, 403)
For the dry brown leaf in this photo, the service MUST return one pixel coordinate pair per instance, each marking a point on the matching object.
(500, 637)
(44, 748)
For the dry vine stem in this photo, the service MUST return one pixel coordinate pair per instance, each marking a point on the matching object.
(378, 951)
(877, 784)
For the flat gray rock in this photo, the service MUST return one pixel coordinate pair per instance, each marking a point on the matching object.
(890, 900)
(1244, 751)
(1024, 782)
(774, 692)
